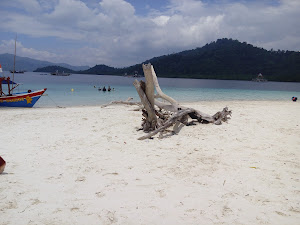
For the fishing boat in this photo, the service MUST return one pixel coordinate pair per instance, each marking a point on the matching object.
(56, 73)
(259, 78)
(22, 99)
(17, 71)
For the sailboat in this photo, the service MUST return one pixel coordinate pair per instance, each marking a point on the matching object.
(21, 99)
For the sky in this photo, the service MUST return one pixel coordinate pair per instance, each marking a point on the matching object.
(122, 33)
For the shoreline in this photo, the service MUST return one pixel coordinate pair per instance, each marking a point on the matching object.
(84, 165)
(180, 102)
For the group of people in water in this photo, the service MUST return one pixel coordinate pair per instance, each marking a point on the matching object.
(104, 89)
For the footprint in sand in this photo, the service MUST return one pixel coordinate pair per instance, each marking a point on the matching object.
(161, 193)
(11, 205)
(280, 213)
(80, 179)
(35, 201)
(75, 209)
(111, 217)
(100, 194)
(226, 210)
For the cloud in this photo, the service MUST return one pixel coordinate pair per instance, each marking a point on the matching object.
(161, 20)
(118, 9)
(112, 33)
(264, 25)
(30, 6)
(9, 47)
(191, 8)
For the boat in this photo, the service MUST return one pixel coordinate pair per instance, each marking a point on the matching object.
(259, 78)
(17, 71)
(135, 74)
(21, 99)
(56, 73)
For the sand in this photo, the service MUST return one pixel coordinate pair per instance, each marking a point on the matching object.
(84, 165)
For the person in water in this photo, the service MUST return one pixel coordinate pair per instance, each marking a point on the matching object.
(109, 89)
(104, 89)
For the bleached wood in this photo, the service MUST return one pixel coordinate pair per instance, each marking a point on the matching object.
(173, 119)
(150, 117)
(149, 89)
(160, 92)
(165, 106)
(157, 121)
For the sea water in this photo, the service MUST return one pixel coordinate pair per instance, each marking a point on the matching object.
(82, 89)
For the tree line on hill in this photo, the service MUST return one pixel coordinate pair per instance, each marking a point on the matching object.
(224, 59)
(52, 69)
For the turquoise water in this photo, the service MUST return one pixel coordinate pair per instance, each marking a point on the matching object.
(184, 90)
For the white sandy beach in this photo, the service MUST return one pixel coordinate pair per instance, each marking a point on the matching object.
(84, 165)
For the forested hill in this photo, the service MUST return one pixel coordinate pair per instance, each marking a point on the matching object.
(52, 69)
(101, 70)
(222, 59)
(228, 59)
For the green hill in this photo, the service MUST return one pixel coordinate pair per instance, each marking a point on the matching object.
(101, 70)
(51, 69)
(229, 59)
(222, 59)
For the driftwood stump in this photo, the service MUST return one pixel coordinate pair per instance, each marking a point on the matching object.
(158, 115)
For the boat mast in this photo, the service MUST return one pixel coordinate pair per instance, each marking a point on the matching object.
(14, 61)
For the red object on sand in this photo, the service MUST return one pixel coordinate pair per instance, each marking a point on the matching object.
(2, 164)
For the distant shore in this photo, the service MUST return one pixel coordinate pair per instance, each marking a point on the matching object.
(84, 165)
(221, 60)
